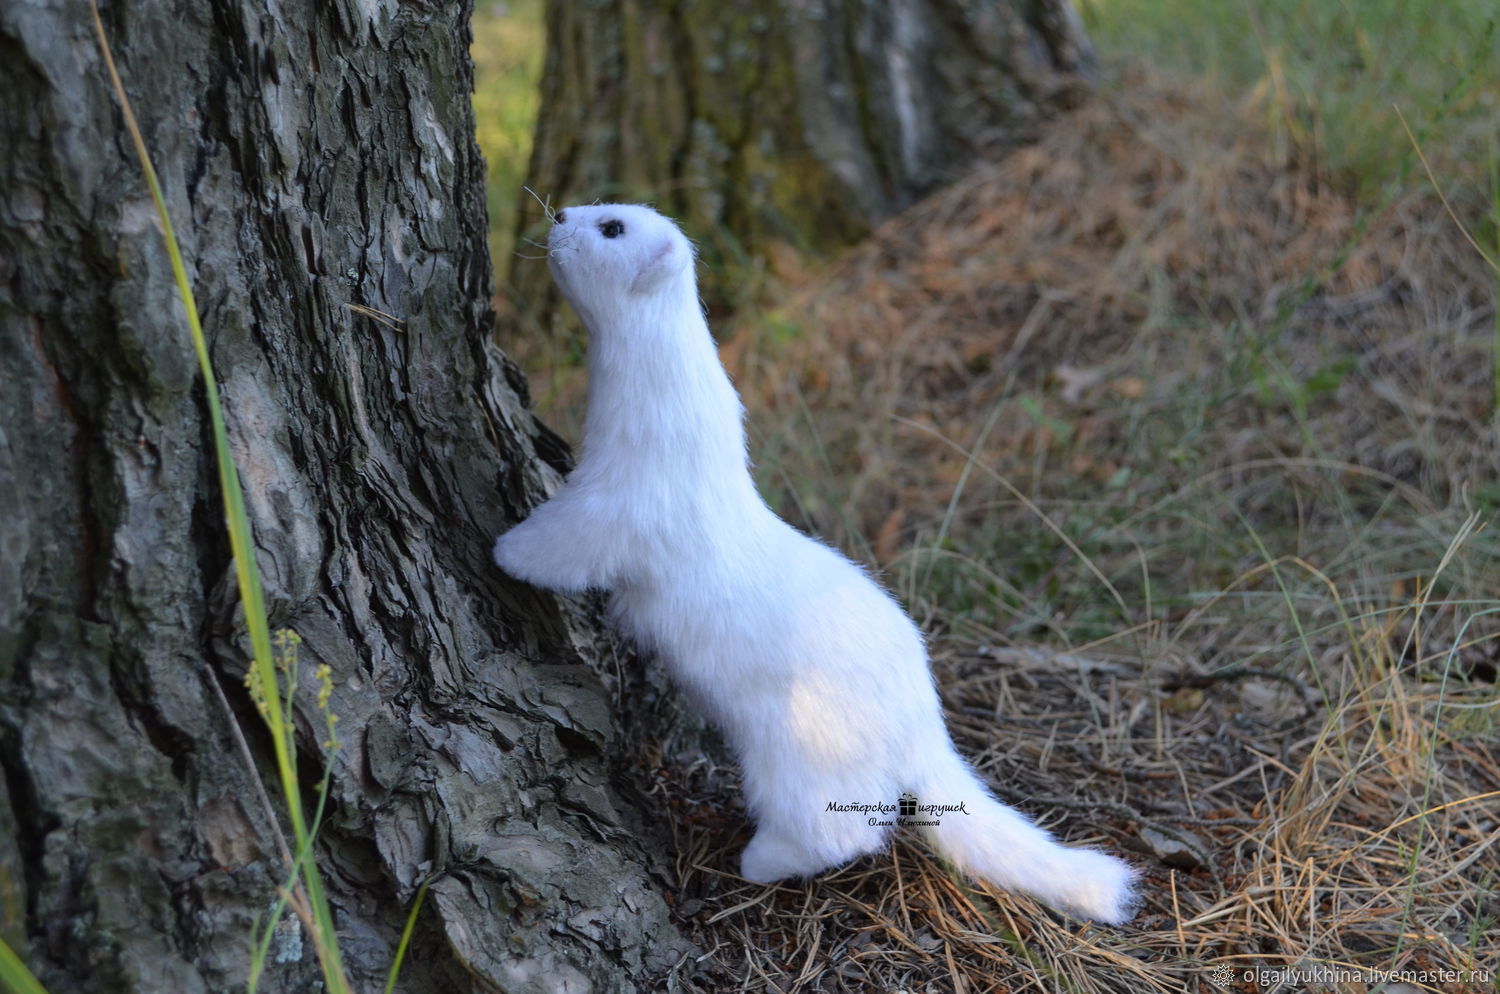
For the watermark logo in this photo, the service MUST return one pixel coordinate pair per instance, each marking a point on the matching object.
(908, 811)
(1335, 976)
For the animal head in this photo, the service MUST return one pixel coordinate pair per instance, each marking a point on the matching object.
(603, 255)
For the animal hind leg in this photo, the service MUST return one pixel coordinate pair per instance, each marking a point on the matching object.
(778, 852)
(775, 855)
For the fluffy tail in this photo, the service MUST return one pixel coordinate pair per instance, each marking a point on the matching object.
(986, 839)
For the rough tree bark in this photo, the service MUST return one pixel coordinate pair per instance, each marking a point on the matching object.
(804, 123)
(316, 155)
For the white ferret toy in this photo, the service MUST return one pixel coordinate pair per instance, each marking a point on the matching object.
(817, 678)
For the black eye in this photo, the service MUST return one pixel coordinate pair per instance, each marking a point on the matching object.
(611, 228)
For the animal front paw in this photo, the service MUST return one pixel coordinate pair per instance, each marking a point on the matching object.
(507, 553)
(522, 556)
(532, 552)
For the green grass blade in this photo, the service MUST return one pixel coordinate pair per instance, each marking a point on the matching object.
(19, 980)
(263, 943)
(1495, 223)
(411, 921)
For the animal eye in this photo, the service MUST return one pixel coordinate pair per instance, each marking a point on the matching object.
(611, 228)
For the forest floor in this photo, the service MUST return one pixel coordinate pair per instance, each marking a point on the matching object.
(1187, 465)
(1178, 436)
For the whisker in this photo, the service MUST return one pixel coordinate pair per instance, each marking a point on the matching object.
(546, 204)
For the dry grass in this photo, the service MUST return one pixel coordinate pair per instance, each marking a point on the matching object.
(1305, 859)
(1187, 467)
(1187, 464)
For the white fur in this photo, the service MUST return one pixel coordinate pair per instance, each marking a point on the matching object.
(816, 676)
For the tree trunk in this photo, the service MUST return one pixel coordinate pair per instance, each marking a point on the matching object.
(317, 157)
(804, 123)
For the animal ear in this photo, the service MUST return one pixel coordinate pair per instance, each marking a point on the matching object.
(665, 260)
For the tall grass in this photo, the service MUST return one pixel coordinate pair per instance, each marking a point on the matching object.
(1331, 72)
(1495, 233)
